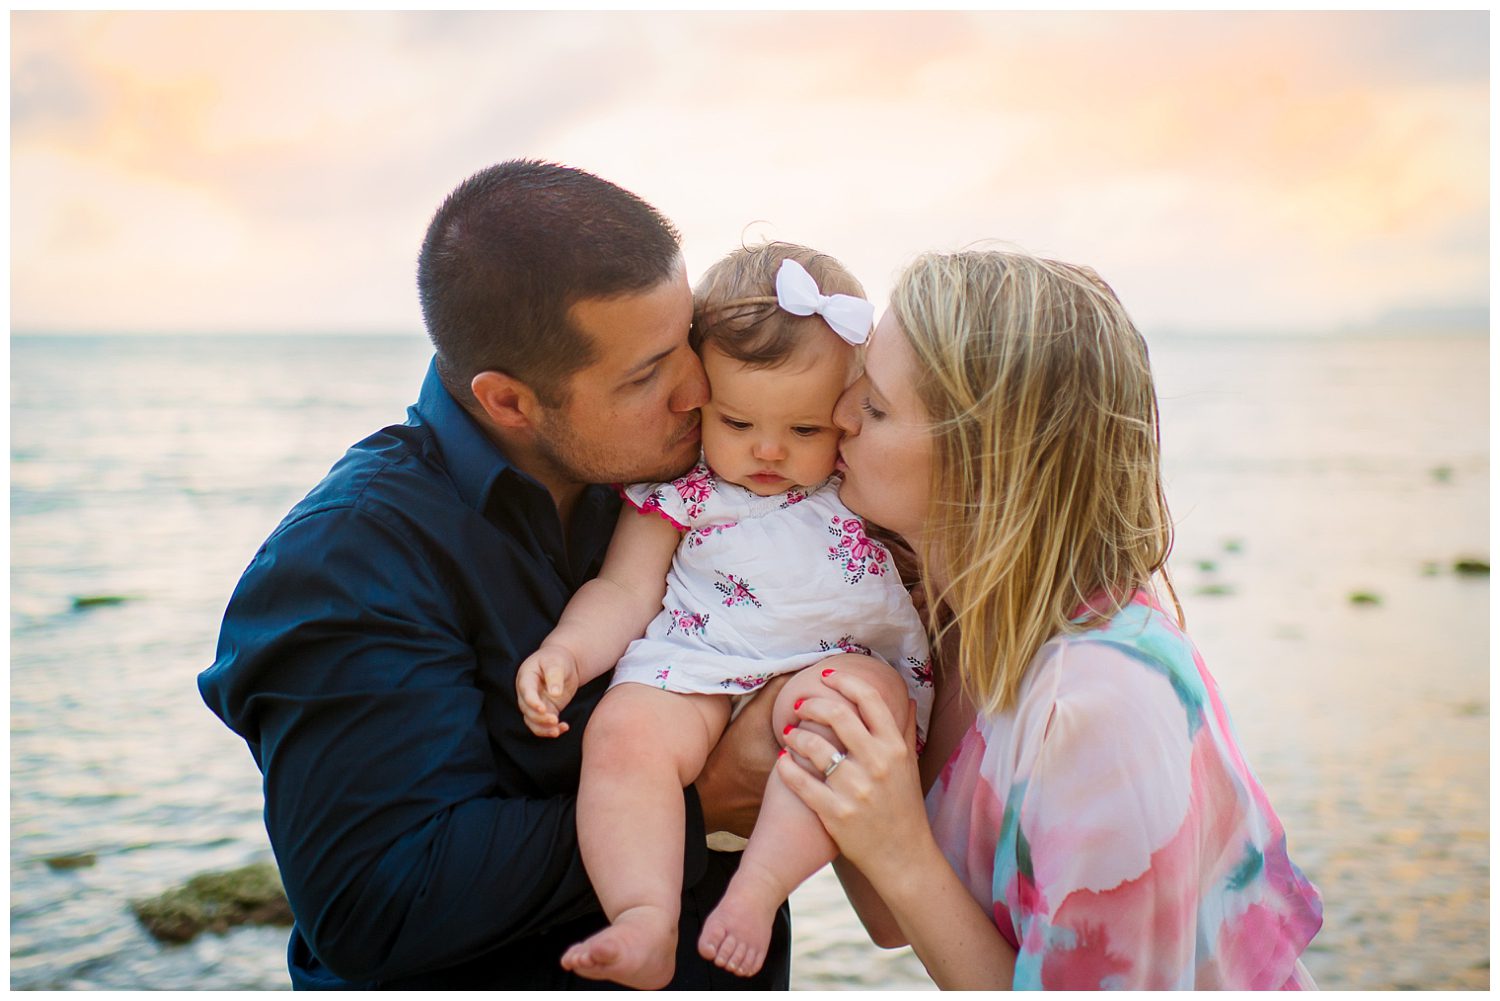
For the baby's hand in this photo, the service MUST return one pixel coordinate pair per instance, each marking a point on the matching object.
(545, 683)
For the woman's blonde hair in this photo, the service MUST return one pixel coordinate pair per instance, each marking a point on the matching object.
(735, 310)
(1046, 493)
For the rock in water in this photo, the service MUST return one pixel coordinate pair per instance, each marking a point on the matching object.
(216, 901)
(82, 860)
(83, 602)
(1471, 567)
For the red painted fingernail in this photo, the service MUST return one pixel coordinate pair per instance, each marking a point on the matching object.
(798, 704)
(788, 729)
(781, 753)
(827, 671)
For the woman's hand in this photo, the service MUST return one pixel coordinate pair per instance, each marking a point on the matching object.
(871, 803)
(872, 806)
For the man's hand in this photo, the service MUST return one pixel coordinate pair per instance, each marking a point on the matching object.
(733, 779)
(545, 683)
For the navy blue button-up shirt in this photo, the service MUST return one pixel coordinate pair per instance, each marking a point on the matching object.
(368, 656)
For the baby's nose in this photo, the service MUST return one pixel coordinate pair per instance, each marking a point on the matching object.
(769, 449)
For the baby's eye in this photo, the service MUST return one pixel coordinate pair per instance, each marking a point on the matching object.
(807, 432)
(735, 425)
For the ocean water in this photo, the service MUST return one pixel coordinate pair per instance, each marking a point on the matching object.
(1299, 472)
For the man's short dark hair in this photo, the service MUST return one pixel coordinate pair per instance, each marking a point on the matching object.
(511, 250)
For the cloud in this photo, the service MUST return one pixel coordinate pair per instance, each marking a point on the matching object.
(1220, 169)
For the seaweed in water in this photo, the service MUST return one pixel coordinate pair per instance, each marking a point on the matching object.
(87, 601)
(82, 860)
(216, 901)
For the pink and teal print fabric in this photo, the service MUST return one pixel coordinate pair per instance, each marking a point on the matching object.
(1111, 824)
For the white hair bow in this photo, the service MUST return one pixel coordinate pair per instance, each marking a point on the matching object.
(797, 293)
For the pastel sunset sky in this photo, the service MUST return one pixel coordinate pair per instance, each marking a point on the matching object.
(205, 172)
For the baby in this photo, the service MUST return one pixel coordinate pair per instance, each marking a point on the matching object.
(745, 568)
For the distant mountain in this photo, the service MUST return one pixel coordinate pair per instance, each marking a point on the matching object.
(1427, 320)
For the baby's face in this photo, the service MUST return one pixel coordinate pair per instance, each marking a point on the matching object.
(771, 429)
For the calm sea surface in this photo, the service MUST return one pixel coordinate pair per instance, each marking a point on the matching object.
(1300, 472)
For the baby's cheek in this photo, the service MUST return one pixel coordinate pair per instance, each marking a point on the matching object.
(714, 447)
(828, 453)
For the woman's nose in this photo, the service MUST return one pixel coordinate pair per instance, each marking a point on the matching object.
(846, 413)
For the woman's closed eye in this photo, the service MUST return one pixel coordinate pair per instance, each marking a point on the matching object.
(869, 408)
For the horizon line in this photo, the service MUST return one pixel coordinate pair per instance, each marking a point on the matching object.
(1373, 329)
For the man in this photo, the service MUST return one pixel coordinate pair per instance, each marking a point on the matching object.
(368, 655)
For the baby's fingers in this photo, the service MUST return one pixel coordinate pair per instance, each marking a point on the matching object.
(528, 689)
(545, 726)
(556, 677)
(556, 730)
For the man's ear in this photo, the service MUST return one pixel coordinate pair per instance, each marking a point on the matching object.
(508, 401)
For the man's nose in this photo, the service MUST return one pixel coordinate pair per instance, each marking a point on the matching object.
(691, 391)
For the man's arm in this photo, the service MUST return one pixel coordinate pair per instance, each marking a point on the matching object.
(733, 780)
(344, 662)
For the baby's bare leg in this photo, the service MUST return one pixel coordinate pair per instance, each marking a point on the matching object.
(640, 748)
(789, 843)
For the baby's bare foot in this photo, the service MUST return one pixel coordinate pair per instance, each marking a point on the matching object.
(638, 950)
(736, 934)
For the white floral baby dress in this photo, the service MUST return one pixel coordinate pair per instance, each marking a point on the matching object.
(762, 586)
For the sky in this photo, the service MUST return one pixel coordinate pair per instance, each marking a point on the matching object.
(249, 172)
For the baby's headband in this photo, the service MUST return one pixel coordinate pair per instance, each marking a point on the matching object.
(796, 292)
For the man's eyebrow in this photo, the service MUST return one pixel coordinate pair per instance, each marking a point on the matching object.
(649, 362)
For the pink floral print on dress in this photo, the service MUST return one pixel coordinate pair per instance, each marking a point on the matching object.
(691, 623)
(695, 488)
(858, 553)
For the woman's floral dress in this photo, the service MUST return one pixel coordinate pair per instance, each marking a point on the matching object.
(1113, 829)
(761, 586)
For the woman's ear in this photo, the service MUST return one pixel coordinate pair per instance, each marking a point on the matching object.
(509, 402)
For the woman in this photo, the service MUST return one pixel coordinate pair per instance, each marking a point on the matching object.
(1089, 820)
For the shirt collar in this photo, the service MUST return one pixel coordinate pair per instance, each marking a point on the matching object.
(474, 460)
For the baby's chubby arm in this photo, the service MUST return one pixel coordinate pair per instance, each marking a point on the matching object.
(600, 621)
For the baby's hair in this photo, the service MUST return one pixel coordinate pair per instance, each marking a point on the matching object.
(734, 305)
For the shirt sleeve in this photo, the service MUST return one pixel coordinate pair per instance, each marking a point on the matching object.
(684, 501)
(1096, 868)
(344, 663)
